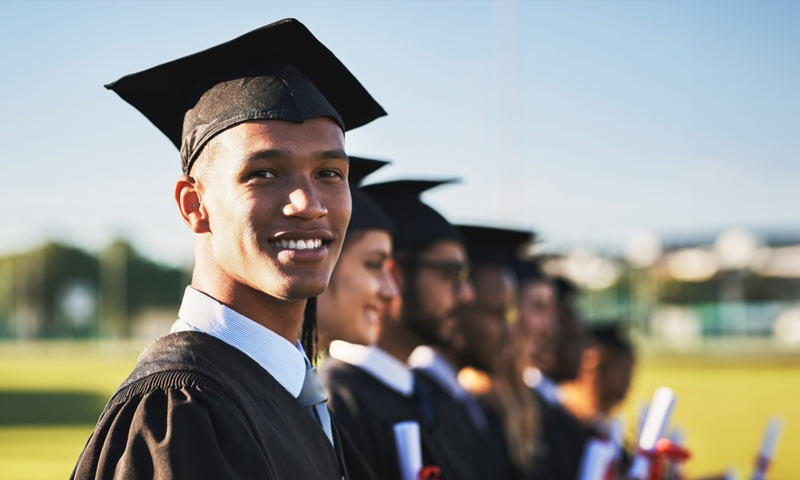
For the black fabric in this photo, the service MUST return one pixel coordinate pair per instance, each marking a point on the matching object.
(418, 225)
(497, 436)
(361, 167)
(279, 71)
(366, 213)
(528, 271)
(480, 454)
(492, 245)
(611, 335)
(562, 441)
(195, 407)
(367, 410)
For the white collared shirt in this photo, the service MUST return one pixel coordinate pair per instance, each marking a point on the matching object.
(284, 361)
(434, 364)
(376, 362)
(547, 388)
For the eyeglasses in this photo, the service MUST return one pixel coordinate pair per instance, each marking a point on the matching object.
(454, 271)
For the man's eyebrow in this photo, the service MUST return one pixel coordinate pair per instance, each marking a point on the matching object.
(281, 154)
(333, 154)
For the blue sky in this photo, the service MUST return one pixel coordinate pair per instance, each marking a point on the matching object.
(582, 120)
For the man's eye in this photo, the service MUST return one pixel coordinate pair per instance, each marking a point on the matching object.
(264, 174)
(374, 265)
(331, 173)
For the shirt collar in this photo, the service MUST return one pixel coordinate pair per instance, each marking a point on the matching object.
(547, 388)
(430, 361)
(284, 361)
(376, 362)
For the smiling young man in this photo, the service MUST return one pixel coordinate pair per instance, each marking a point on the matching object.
(260, 124)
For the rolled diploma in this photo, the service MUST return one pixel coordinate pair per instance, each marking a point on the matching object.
(597, 457)
(617, 431)
(658, 415)
(409, 450)
(768, 446)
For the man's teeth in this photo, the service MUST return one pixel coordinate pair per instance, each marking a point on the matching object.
(309, 244)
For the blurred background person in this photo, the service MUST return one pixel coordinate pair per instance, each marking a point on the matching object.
(477, 341)
(371, 387)
(362, 284)
(604, 377)
(529, 346)
(556, 349)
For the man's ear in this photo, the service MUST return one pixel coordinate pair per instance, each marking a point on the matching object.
(190, 204)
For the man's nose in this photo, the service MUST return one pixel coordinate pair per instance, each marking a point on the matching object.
(388, 286)
(304, 201)
(465, 292)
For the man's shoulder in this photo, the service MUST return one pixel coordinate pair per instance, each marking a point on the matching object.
(190, 356)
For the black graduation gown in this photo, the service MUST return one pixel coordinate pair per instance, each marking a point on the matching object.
(196, 407)
(367, 410)
(563, 438)
(480, 454)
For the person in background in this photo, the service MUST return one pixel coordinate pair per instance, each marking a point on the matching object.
(604, 377)
(563, 436)
(259, 122)
(529, 345)
(362, 284)
(372, 389)
(478, 339)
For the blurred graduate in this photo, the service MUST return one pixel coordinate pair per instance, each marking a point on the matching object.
(480, 334)
(371, 388)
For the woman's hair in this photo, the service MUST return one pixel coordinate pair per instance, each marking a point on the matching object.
(353, 236)
(515, 403)
(309, 337)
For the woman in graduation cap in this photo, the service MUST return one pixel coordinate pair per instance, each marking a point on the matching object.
(361, 286)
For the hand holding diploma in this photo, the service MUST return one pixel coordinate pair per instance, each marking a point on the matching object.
(767, 451)
(656, 421)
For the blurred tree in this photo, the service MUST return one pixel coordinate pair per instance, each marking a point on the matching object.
(58, 290)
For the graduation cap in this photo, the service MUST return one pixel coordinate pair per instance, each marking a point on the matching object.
(279, 71)
(418, 225)
(611, 335)
(361, 167)
(367, 214)
(528, 270)
(493, 246)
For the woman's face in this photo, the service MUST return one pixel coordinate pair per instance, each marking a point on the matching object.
(360, 290)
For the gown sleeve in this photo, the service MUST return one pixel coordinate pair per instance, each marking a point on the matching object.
(173, 433)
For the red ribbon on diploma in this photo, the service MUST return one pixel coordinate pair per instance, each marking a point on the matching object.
(430, 472)
(665, 451)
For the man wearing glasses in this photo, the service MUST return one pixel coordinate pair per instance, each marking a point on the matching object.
(372, 388)
(477, 342)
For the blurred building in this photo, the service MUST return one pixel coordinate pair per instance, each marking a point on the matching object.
(734, 284)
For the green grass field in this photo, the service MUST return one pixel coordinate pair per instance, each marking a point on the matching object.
(52, 393)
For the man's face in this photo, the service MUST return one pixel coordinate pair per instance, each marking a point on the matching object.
(278, 204)
(431, 298)
(614, 378)
(482, 324)
(570, 343)
(538, 320)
